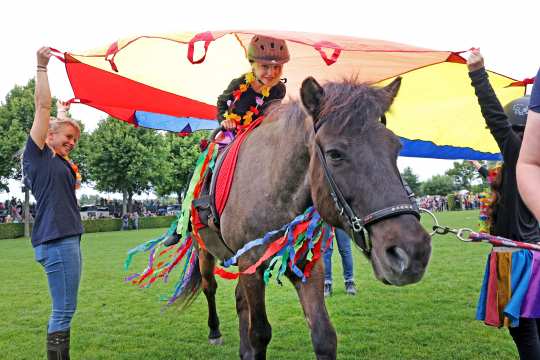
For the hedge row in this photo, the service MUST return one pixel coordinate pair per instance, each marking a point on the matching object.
(12, 231)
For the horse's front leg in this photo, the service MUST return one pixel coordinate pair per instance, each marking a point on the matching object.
(246, 352)
(209, 285)
(259, 330)
(311, 294)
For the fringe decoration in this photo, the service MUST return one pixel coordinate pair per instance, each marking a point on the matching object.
(163, 260)
(303, 241)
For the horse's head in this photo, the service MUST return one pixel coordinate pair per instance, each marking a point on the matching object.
(359, 154)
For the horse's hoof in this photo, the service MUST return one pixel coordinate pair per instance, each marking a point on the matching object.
(216, 341)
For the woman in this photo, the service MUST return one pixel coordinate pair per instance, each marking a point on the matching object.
(510, 217)
(57, 230)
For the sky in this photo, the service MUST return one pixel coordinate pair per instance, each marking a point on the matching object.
(501, 29)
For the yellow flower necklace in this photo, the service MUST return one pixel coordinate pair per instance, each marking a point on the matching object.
(253, 110)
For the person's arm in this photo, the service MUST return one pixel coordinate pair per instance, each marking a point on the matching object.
(528, 166)
(482, 169)
(491, 108)
(42, 98)
(222, 105)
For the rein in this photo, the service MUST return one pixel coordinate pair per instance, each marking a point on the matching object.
(357, 224)
(468, 235)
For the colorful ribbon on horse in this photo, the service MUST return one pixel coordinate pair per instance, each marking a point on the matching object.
(162, 262)
(511, 288)
(304, 238)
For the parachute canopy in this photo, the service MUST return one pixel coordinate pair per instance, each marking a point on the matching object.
(171, 82)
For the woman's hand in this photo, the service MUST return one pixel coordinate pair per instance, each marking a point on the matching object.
(62, 108)
(43, 56)
(475, 60)
(228, 124)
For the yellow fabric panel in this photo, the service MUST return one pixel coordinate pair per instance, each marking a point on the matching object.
(438, 104)
(504, 286)
(163, 64)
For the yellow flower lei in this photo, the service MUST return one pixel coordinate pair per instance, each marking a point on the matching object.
(248, 116)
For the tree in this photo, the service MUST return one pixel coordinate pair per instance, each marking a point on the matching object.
(438, 185)
(412, 179)
(182, 154)
(16, 117)
(126, 159)
(463, 174)
(11, 141)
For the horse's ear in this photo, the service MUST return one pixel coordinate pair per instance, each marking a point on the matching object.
(311, 94)
(391, 90)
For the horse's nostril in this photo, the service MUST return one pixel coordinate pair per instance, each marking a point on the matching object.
(398, 258)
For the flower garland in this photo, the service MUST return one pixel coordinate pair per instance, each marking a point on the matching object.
(253, 110)
(486, 199)
(75, 168)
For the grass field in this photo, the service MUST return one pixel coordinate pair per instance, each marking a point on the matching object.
(430, 320)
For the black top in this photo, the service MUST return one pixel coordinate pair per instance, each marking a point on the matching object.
(247, 99)
(514, 220)
(483, 171)
(52, 182)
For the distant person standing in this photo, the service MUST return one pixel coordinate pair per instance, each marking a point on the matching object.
(344, 246)
(136, 220)
(125, 222)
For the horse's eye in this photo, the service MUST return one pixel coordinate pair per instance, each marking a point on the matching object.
(334, 155)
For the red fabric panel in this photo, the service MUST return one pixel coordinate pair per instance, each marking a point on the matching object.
(492, 309)
(226, 172)
(121, 97)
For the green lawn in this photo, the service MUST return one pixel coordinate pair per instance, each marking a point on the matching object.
(430, 320)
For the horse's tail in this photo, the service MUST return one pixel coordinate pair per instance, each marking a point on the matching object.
(190, 285)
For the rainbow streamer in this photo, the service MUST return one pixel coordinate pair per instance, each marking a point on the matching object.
(511, 288)
(304, 240)
(163, 260)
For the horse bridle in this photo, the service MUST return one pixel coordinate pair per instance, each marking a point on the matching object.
(358, 225)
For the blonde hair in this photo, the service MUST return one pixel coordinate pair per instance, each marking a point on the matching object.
(55, 124)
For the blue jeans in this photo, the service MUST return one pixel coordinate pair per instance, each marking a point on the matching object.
(62, 262)
(344, 246)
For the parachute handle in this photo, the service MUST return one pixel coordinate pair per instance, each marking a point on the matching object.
(58, 54)
(327, 44)
(207, 37)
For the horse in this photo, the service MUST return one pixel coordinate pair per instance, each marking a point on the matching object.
(330, 150)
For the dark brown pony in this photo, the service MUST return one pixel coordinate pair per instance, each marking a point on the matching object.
(279, 175)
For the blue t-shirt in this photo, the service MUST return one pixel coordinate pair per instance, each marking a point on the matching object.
(52, 182)
(535, 95)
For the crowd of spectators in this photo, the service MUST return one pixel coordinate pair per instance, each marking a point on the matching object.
(458, 201)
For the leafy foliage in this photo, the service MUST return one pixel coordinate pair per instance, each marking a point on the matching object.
(463, 174)
(438, 185)
(412, 179)
(181, 156)
(123, 158)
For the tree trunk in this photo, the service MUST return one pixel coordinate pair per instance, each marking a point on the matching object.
(26, 212)
(124, 202)
(179, 195)
(130, 202)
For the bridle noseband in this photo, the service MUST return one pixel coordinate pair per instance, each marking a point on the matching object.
(358, 225)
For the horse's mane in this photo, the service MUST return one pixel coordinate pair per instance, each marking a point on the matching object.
(341, 100)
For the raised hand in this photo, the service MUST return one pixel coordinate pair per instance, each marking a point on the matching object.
(475, 60)
(43, 56)
(62, 107)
